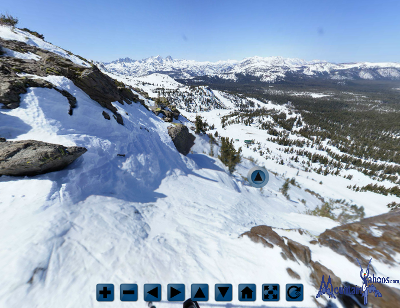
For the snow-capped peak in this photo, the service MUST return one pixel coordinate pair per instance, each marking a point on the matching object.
(123, 60)
(267, 69)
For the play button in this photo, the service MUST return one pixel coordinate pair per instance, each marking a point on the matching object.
(176, 292)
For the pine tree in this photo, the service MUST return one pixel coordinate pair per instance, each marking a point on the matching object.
(229, 156)
(8, 20)
(200, 125)
(211, 148)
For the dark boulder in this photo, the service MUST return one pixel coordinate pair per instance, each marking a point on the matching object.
(155, 110)
(181, 137)
(31, 157)
(167, 113)
(176, 114)
(175, 111)
(106, 116)
(119, 119)
(161, 102)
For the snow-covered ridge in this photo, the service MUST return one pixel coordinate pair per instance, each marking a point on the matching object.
(267, 69)
(8, 33)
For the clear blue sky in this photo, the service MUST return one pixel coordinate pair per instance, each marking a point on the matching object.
(104, 30)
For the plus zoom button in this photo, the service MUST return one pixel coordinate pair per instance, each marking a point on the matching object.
(105, 292)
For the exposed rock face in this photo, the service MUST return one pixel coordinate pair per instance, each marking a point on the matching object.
(169, 111)
(103, 89)
(320, 270)
(390, 297)
(265, 235)
(175, 112)
(381, 234)
(91, 80)
(161, 102)
(303, 253)
(30, 157)
(181, 137)
(293, 274)
(12, 86)
(155, 110)
(377, 237)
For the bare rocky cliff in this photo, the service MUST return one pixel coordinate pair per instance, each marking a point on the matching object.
(376, 237)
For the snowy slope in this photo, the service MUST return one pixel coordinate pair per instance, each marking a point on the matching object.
(155, 80)
(142, 218)
(153, 216)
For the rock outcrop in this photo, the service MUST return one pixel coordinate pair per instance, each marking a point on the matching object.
(269, 238)
(182, 139)
(162, 106)
(31, 157)
(377, 237)
(106, 115)
(100, 87)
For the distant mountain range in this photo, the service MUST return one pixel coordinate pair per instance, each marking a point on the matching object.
(268, 69)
